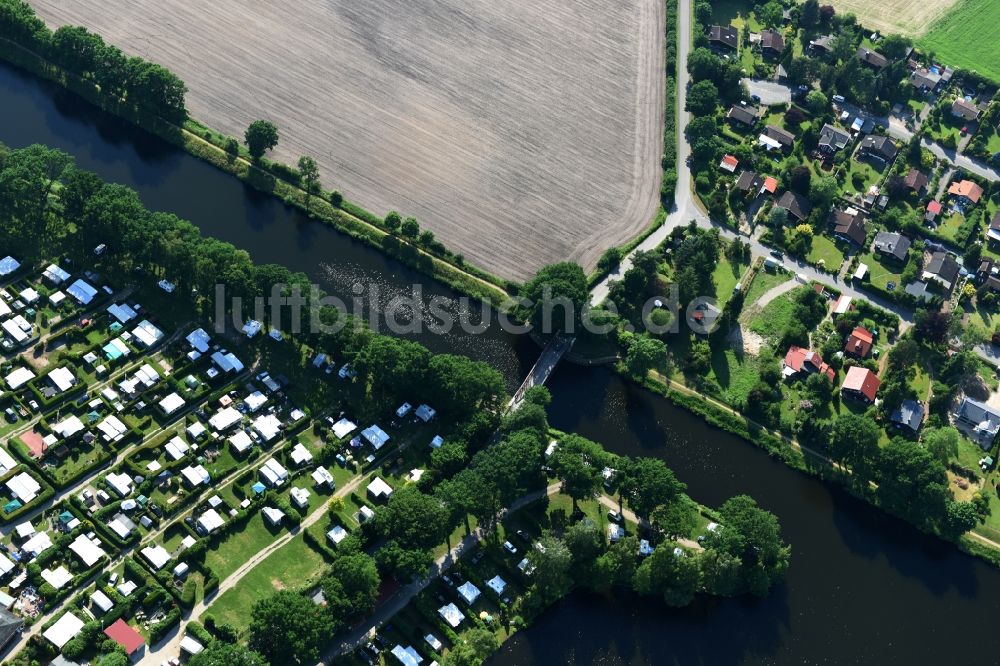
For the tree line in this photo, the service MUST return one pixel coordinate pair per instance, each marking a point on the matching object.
(141, 85)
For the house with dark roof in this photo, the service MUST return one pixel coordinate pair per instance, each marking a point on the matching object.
(849, 225)
(860, 384)
(993, 233)
(832, 139)
(892, 245)
(962, 108)
(797, 205)
(916, 181)
(908, 416)
(821, 45)
(771, 42)
(10, 626)
(979, 421)
(784, 139)
(988, 274)
(859, 342)
(800, 361)
(725, 36)
(878, 147)
(741, 114)
(943, 269)
(749, 181)
(924, 79)
(873, 59)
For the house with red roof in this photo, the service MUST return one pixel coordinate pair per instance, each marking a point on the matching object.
(130, 639)
(729, 163)
(800, 361)
(861, 384)
(967, 191)
(859, 343)
(933, 210)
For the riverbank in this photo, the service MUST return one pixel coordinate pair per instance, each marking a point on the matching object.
(348, 218)
(793, 454)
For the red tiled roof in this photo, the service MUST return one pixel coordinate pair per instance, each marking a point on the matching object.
(800, 359)
(120, 632)
(934, 207)
(863, 381)
(967, 189)
(860, 342)
(770, 184)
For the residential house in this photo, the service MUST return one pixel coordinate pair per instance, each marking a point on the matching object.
(800, 362)
(924, 79)
(916, 181)
(879, 148)
(908, 416)
(979, 421)
(933, 210)
(833, 139)
(943, 269)
(861, 384)
(873, 59)
(859, 342)
(723, 36)
(10, 626)
(796, 204)
(988, 268)
(964, 109)
(892, 245)
(750, 181)
(741, 114)
(771, 42)
(849, 225)
(993, 233)
(729, 163)
(966, 192)
(775, 137)
(821, 45)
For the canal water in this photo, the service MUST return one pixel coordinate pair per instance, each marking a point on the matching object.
(863, 588)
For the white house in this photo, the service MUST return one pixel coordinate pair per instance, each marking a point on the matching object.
(343, 428)
(209, 521)
(101, 601)
(379, 489)
(273, 515)
(273, 472)
(65, 629)
(157, 556)
(268, 426)
(171, 403)
(121, 483)
(62, 378)
(18, 378)
(227, 362)
(176, 448)
(196, 475)
(88, 550)
(224, 419)
(24, 487)
(112, 429)
(68, 427)
(301, 455)
(255, 401)
(300, 497)
(241, 442)
(321, 476)
(497, 584)
(54, 275)
(147, 334)
(199, 340)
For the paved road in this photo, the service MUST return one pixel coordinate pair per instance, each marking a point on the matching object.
(901, 132)
(769, 91)
(776, 291)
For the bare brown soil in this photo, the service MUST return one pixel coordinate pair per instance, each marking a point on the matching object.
(520, 132)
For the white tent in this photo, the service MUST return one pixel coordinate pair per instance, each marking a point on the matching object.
(210, 521)
(199, 340)
(102, 601)
(171, 403)
(267, 426)
(19, 378)
(37, 544)
(54, 274)
(112, 428)
(407, 656)
(8, 265)
(176, 448)
(58, 578)
(7, 462)
(68, 426)
(196, 475)
(497, 584)
(343, 428)
(336, 535)
(255, 401)
(301, 455)
(450, 614)
(87, 550)
(425, 413)
(241, 441)
(147, 334)
(378, 488)
(122, 312)
(64, 630)
(273, 472)
(24, 487)
(321, 476)
(62, 378)
(468, 592)
(225, 419)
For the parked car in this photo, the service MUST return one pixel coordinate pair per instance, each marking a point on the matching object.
(509, 547)
(615, 516)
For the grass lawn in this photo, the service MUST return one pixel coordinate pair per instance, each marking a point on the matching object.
(763, 282)
(292, 566)
(774, 318)
(725, 276)
(227, 556)
(993, 144)
(960, 40)
(736, 374)
(880, 272)
(950, 226)
(867, 174)
(826, 251)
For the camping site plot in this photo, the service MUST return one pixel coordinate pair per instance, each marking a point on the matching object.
(491, 123)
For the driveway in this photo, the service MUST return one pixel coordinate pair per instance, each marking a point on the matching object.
(768, 91)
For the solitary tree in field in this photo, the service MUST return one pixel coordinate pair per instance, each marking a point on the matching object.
(309, 171)
(260, 137)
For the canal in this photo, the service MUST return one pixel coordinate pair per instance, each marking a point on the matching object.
(863, 588)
